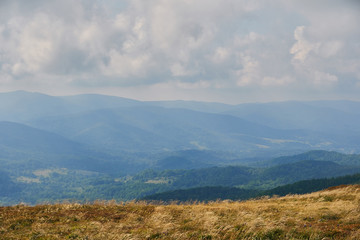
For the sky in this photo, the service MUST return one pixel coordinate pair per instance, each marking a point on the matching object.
(230, 51)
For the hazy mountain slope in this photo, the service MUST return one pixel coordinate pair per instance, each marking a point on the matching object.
(109, 129)
(254, 130)
(190, 159)
(333, 117)
(116, 124)
(210, 107)
(352, 107)
(318, 155)
(21, 106)
(7, 186)
(15, 135)
(157, 129)
(87, 102)
(23, 148)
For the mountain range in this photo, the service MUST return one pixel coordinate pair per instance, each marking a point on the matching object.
(108, 137)
(113, 124)
(130, 135)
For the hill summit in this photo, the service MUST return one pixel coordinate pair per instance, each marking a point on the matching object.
(329, 214)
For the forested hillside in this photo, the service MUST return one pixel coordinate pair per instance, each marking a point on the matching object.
(51, 185)
(233, 193)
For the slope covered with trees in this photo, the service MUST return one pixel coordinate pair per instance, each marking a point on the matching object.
(233, 193)
(51, 185)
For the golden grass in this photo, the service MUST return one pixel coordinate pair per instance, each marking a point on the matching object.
(330, 214)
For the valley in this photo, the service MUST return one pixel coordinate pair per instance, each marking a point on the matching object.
(88, 147)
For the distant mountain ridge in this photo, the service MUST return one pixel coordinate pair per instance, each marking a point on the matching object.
(21, 106)
(324, 116)
(318, 155)
(116, 134)
(24, 148)
(129, 130)
(154, 128)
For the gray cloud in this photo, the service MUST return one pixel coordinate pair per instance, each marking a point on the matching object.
(228, 51)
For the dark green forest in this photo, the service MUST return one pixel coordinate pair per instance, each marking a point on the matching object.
(232, 193)
(233, 182)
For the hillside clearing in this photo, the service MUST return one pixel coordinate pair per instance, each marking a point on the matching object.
(330, 214)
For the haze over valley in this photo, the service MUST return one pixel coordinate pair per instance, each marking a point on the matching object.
(83, 139)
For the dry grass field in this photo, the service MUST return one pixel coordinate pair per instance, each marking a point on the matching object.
(330, 214)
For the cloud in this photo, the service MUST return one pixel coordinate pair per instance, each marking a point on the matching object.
(250, 71)
(220, 55)
(302, 47)
(322, 78)
(284, 80)
(235, 45)
(126, 65)
(36, 45)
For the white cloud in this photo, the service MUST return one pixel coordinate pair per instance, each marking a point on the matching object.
(250, 72)
(321, 78)
(330, 48)
(221, 54)
(302, 47)
(122, 22)
(178, 70)
(123, 65)
(281, 81)
(37, 44)
(248, 39)
(209, 45)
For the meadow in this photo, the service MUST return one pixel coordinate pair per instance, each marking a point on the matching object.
(333, 213)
